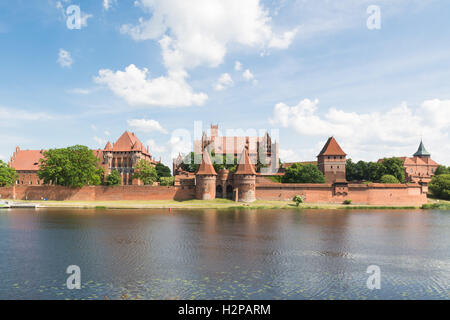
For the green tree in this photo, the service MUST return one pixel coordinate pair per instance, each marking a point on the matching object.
(298, 200)
(375, 171)
(440, 186)
(442, 170)
(387, 178)
(303, 173)
(114, 179)
(163, 171)
(394, 167)
(167, 181)
(350, 170)
(145, 172)
(191, 162)
(8, 175)
(75, 167)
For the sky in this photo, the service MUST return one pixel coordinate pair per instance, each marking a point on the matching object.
(373, 74)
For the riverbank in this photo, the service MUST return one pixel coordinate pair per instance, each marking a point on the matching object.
(217, 204)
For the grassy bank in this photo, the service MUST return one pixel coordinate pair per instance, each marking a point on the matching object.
(211, 204)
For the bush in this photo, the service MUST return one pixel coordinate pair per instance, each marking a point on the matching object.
(298, 200)
(440, 186)
(167, 181)
(348, 201)
(113, 179)
(387, 178)
(303, 173)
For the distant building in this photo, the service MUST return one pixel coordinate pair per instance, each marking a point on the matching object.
(261, 148)
(332, 161)
(121, 156)
(419, 167)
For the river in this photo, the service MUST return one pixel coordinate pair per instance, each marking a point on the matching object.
(224, 254)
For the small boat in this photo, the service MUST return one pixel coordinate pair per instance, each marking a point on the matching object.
(23, 206)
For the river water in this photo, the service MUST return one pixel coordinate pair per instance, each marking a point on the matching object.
(224, 254)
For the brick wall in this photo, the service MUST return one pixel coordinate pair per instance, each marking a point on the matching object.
(373, 194)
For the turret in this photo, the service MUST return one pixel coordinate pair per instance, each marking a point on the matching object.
(205, 184)
(422, 152)
(332, 161)
(245, 179)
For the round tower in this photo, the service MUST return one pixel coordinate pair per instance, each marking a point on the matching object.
(245, 179)
(205, 179)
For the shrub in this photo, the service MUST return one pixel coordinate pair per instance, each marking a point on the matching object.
(387, 178)
(113, 179)
(303, 173)
(348, 201)
(440, 186)
(298, 200)
(167, 181)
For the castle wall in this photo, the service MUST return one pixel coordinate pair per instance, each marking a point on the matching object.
(246, 188)
(205, 188)
(373, 194)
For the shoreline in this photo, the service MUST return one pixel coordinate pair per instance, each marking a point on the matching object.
(220, 204)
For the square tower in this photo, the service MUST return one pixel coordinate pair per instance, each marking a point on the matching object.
(332, 161)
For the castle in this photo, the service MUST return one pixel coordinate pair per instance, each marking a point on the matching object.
(121, 156)
(245, 184)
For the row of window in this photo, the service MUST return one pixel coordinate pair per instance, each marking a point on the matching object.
(21, 182)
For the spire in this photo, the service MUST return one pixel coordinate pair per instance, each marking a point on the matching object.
(206, 168)
(245, 166)
(332, 148)
(108, 146)
(422, 152)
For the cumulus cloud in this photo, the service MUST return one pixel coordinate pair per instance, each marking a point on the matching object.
(8, 114)
(138, 89)
(146, 125)
(248, 75)
(154, 147)
(223, 82)
(198, 32)
(100, 141)
(64, 58)
(83, 15)
(372, 135)
(237, 66)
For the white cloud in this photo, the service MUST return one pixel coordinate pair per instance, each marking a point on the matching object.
(237, 66)
(288, 155)
(248, 75)
(2, 157)
(180, 143)
(154, 147)
(144, 125)
(107, 133)
(198, 32)
(100, 141)
(79, 91)
(223, 82)
(8, 114)
(137, 88)
(370, 136)
(64, 59)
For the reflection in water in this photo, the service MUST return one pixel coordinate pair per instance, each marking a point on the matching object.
(224, 254)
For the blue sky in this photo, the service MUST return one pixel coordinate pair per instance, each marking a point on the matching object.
(307, 68)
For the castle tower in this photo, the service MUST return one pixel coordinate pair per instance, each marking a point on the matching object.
(332, 161)
(422, 152)
(205, 185)
(245, 179)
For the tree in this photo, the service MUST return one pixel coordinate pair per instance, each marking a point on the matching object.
(298, 200)
(394, 167)
(191, 162)
(167, 181)
(162, 171)
(387, 178)
(75, 167)
(145, 172)
(350, 170)
(8, 175)
(113, 179)
(303, 173)
(440, 186)
(442, 170)
(375, 171)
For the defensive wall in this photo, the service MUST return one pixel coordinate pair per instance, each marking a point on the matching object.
(372, 194)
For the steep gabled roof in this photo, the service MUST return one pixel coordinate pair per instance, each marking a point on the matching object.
(422, 152)
(244, 165)
(206, 168)
(128, 142)
(26, 160)
(332, 148)
(108, 146)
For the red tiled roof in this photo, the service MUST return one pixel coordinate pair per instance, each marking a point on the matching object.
(244, 165)
(128, 142)
(206, 167)
(332, 148)
(26, 160)
(108, 146)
